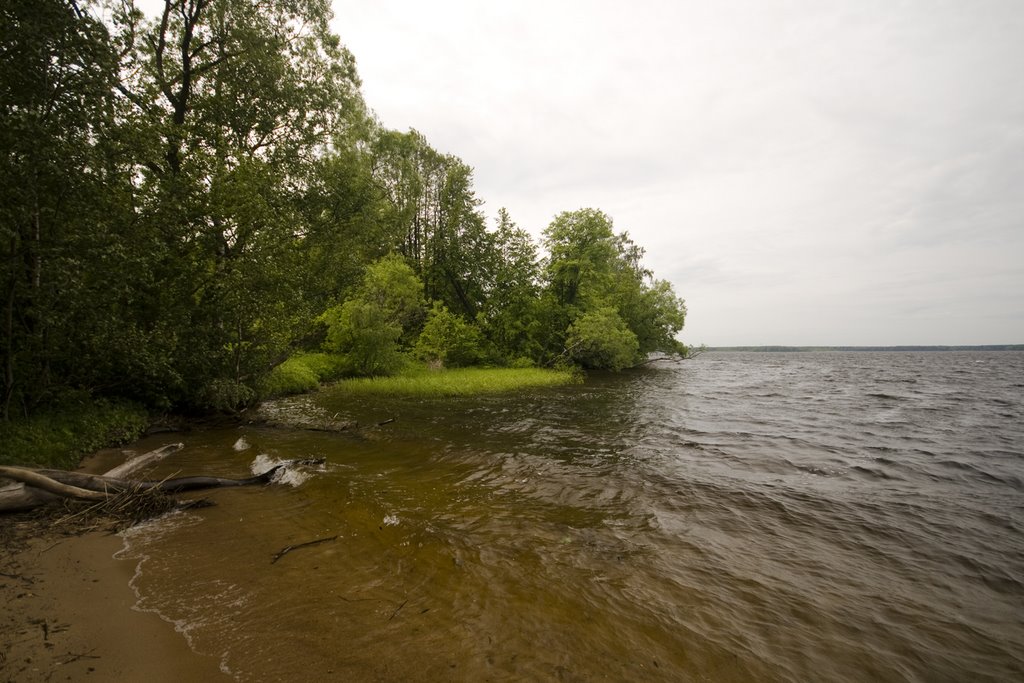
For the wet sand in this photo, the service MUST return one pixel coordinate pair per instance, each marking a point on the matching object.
(68, 616)
(68, 609)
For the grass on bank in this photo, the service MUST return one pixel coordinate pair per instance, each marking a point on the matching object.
(304, 372)
(457, 382)
(59, 438)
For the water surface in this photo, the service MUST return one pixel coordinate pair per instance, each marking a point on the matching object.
(739, 517)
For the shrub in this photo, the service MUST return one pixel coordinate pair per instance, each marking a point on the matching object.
(226, 395)
(362, 332)
(301, 373)
(61, 437)
(448, 339)
(601, 340)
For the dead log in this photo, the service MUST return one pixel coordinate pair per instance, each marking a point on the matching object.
(39, 481)
(106, 484)
(34, 487)
(18, 496)
(143, 460)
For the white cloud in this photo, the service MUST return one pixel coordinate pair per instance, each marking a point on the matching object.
(804, 172)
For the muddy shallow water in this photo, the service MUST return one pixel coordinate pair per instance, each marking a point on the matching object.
(791, 517)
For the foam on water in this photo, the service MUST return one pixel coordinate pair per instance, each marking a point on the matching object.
(290, 475)
(143, 546)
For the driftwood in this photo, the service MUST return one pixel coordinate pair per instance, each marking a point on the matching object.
(32, 478)
(103, 484)
(20, 496)
(34, 487)
(143, 460)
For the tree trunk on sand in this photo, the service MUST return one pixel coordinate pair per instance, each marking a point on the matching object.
(22, 495)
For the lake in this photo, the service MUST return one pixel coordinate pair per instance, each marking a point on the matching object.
(738, 517)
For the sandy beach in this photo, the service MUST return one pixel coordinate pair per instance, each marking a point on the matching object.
(69, 609)
(68, 616)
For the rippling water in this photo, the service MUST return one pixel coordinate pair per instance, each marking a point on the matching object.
(739, 517)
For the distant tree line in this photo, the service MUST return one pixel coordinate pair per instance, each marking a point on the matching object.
(186, 200)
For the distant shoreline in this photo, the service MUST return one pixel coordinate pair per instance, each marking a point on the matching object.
(788, 349)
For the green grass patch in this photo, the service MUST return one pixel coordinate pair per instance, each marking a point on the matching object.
(301, 373)
(458, 382)
(60, 438)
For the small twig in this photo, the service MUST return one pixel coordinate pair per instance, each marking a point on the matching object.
(50, 547)
(386, 422)
(85, 655)
(398, 609)
(342, 597)
(284, 551)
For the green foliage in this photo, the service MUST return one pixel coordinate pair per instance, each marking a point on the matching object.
(582, 258)
(366, 336)
(59, 437)
(301, 373)
(510, 316)
(290, 377)
(368, 329)
(429, 199)
(448, 340)
(597, 291)
(225, 395)
(457, 382)
(392, 287)
(327, 367)
(180, 197)
(601, 340)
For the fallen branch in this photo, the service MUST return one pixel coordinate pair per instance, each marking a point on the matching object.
(39, 481)
(284, 551)
(35, 487)
(143, 460)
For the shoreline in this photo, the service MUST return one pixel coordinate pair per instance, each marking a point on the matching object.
(70, 615)
(70, 611)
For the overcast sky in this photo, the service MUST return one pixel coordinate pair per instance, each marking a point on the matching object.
(803, 172)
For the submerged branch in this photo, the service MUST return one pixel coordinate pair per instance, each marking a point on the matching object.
(284, 551)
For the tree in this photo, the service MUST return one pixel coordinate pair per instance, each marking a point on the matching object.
(343, 210)
(448, 340)
(600, 339)
(582, 254)
(60, 192)
(509, 316)
(385, 310)
(234, 104)
(431, 204)
(592, 270)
